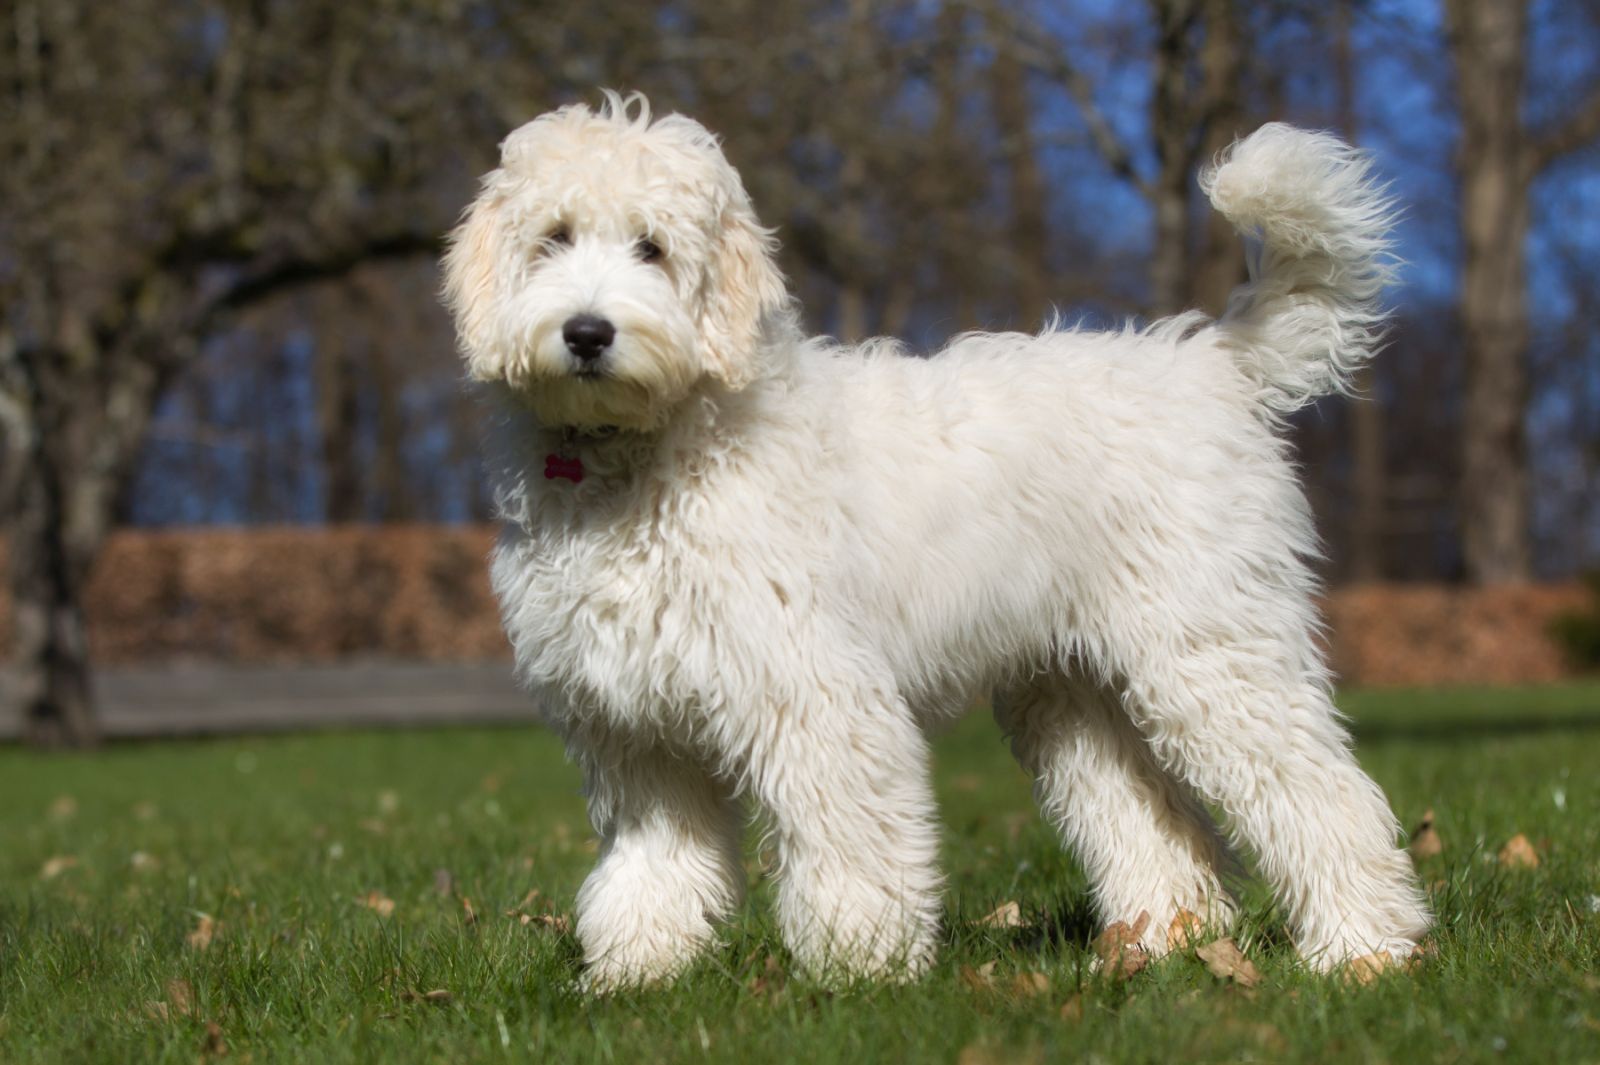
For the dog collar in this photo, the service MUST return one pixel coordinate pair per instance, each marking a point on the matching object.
(564, 463)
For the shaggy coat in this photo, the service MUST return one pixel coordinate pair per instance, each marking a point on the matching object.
(741, 564)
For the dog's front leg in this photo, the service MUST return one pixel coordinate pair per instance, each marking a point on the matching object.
(845, 777)
(669, 863)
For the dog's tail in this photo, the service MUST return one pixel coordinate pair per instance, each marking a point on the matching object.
(1318, 223)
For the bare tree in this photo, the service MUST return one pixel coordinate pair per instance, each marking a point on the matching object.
(1369, 468)
(160, 185)
(1499, 159)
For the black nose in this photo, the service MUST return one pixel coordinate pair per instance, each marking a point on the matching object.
(587, 336)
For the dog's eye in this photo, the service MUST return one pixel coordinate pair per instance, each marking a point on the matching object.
(649, 251)
(560, 237)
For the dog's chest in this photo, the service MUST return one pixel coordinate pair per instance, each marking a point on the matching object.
(600, 619)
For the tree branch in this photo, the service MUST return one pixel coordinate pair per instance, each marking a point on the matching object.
(1578, 128)
(271, 278)
(1058, 68)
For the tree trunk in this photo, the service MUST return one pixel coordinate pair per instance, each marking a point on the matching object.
(85, 415)
(1487, 39)
(50, 651)
(1025, 188)
(1170, 120)
(1219, 264)
(1370, 481)
(339, 389)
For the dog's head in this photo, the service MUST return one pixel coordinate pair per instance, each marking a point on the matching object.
(610, 264)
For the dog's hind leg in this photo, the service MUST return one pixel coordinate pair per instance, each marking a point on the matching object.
(670, 863)
(1144, 841)
(1262, 740)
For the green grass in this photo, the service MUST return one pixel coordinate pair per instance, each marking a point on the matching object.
(279, 839)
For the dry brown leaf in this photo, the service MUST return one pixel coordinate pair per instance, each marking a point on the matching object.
(1072, 1008)
(1030, 985)
(979, 979)
(1184, 931)
(771, 980)
(214, 1046)
(180, 993)
(1226, 962)
(1518, 853)
(1421, 955)
(438, 996)
(205, 929)
(1006, 915)
(1118, 947)
(156, 1011)
(1261, 1033)
(1367, 968)
(975, 1054)
(527, 901)
(981, 1053)
(546, 920)
(468, 914)
(56, 866)
(381, 905)
(1425, 841)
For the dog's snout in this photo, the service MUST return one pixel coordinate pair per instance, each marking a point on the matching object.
(588, 336)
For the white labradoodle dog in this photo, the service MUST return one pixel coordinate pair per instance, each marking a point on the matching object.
(739, 562)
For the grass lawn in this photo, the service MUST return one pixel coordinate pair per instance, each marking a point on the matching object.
(298, 899)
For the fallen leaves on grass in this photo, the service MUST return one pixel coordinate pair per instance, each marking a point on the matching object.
(438, 996)
(214, 1046)
(1264, 1035)
(771, 980)
(546, 920)
(380, 904)
(1118, 947)
(980, 978)
(178, 1003)
(1006, 915)
(180, 994)
(1030, 985)
(205, 929)
(1072, 1008)
(983, 1054)
(468, 914)
(1421, 955)
(1367, 968)
(1518, 853)
(1184, 931)
(523, 914)
(1425, 841)
(1227, 962)
(56, 866)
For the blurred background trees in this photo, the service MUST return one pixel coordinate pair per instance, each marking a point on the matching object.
(218, 223)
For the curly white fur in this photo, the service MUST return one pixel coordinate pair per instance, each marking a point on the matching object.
(786, 558)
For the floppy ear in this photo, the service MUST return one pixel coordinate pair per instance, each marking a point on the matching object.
(471, 287)
(742, 286)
